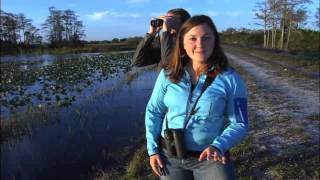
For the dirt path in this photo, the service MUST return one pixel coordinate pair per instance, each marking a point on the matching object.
(284, 117)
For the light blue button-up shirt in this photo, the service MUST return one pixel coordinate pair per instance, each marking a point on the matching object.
(224, 99)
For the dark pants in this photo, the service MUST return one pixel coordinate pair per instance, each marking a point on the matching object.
(192, 169)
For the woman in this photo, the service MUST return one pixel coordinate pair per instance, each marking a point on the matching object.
(178, 102)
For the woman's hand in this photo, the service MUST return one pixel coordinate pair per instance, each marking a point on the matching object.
(153, 30)
(212, 153)
(156, 164)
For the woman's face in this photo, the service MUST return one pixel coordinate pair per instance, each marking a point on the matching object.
(199, 43)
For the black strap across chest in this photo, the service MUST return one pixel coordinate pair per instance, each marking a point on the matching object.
(211, 75)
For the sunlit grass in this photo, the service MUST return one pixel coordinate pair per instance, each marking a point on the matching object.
(308, 63)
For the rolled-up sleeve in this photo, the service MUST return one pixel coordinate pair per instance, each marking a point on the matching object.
(155, 112)
(147, 52)
(167, 45)
(236, 113)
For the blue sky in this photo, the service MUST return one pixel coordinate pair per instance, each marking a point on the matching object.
(108, 19)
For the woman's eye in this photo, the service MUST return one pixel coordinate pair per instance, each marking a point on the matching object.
(207, 38)
(193, 39)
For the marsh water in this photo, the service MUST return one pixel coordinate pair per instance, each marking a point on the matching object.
(57, 124)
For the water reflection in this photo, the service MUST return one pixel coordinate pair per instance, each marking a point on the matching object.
(90, 134)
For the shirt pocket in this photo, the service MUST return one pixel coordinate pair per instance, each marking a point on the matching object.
(210, 107)
(203, 108)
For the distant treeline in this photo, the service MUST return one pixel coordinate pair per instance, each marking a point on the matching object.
(300, 39)
(61, 27)
(130, 40)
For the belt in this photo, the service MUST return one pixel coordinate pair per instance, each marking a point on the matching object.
(195, 154)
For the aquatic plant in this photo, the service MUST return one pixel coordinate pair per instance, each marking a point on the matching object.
(58, 83)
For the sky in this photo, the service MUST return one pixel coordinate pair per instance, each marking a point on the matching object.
(108, 19)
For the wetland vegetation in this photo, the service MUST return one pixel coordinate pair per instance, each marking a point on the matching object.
(72, 109)
(55, 84)
(32, 88)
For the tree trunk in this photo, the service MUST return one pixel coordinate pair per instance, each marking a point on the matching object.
(282, 34)
(288, 38)
(24, 36)
(264, 38)
(66, 31)
(268, 38)
(265, 34)
(19, 36)
(274, 37)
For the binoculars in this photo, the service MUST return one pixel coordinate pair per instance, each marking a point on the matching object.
(156, 22)
(174, 142)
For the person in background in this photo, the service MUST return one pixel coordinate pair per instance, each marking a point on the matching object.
(155, 48)
(192, 116)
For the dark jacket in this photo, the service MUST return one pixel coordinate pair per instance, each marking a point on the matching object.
(153, 50)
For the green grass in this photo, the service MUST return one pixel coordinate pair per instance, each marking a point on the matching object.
(314, 117)
(292, 163)
(304, 62)
(297, 133)
(297, 164)
(281, 171)
(138, 167)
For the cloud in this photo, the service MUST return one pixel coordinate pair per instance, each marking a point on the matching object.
(135, 15)
(116, 14)
(95, 16)
(212, 13)
(137, 1)
(233, 13)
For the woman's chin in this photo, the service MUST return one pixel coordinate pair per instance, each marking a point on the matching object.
(201, 60)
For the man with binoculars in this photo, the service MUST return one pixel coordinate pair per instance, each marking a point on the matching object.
(155, 49)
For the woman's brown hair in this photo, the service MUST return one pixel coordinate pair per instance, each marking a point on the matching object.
(175, 65)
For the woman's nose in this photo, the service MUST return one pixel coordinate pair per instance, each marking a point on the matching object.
(199, 42)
